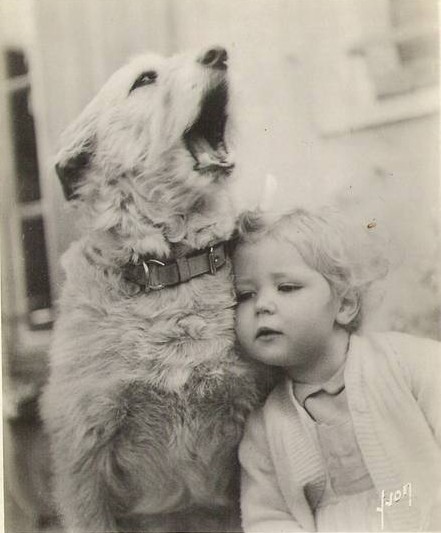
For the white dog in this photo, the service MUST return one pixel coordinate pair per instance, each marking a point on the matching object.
(147, 395)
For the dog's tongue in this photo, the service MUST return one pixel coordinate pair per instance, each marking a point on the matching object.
(207, 157)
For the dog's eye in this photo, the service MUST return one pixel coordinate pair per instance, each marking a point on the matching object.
(146, 78)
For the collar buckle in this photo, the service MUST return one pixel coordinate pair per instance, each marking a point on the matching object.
(149, 285)
(212, 260)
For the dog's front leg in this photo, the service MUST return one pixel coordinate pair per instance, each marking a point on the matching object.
(89, 440)
(82, 489)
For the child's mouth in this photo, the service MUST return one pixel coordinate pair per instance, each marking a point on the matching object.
(265, 333)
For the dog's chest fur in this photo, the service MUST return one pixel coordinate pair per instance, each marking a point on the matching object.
(157, 371)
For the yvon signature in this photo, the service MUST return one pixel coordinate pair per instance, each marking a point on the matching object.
(394, 497)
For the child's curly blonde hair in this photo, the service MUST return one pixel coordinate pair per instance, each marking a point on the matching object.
(342, 251)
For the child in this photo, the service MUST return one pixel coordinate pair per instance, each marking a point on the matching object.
(350, 439)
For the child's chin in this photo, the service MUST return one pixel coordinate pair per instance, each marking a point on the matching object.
(274, 359)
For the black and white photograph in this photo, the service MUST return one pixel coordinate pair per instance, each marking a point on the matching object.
(220, 266)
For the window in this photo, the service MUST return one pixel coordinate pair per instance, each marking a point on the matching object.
(382, 65)
(27, 202)
(404, 55)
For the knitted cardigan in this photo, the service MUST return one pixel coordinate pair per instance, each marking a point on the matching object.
(393, 387)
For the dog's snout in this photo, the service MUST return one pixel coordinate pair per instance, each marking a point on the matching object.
(215, 57)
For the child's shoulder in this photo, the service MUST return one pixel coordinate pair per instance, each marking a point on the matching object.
(415, 355)
(405, 344)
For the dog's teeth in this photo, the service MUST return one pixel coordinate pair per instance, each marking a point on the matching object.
(202, 147)
(209, 158)
(206, 158)
(227, 159)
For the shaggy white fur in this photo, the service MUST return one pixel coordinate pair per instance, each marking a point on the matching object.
(147, 396)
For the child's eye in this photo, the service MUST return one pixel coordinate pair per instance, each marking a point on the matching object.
(288, 287)
(244, 296)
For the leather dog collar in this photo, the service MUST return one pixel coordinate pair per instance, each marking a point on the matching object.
(153, 274)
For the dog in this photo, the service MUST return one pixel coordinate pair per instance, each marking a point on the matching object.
(147, 395)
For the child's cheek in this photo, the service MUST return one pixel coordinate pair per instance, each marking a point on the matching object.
(240, 324)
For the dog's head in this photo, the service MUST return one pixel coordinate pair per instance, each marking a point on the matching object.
(154, 133)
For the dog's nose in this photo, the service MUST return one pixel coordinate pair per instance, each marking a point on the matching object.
(215, 57)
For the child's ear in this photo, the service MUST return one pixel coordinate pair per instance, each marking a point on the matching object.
(349, 307)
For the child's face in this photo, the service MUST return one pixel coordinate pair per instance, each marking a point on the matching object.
(286, 314)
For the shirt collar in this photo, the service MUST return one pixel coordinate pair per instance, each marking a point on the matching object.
(332, 386)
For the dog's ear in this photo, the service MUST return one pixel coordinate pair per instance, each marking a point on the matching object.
(78, 146)
(71, 171)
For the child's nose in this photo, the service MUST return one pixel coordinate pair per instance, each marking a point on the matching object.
(265, 303)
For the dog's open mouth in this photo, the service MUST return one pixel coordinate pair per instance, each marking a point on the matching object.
(205, 138)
